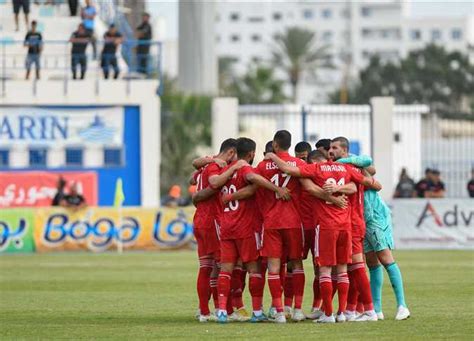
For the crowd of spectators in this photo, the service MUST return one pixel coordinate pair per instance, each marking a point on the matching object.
(82, 37)
(430, 186)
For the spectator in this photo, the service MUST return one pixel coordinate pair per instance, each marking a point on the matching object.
(73, 200)
(436, 187)
(173, 198)
(21, 4)
(34, 42)
(422, 186)
(88, 13)
(144, 36)
(405, 187)
(73, 7)
(112, 39)
(60, 193)
(79, 40)
(470, 185)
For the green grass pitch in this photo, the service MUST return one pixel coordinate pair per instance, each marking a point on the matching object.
(152, 295)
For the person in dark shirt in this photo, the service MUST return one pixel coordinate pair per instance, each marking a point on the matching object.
(79, 40)
(470, 185)
(436, 187)
(73, 200)
(34, 43)
(405, 187)
(112, 39)
(422, 186)
(60, 193)
(144, 36)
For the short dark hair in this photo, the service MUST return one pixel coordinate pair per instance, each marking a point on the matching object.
(228, 144)
(146, 14)
(325, 143)
(34, 23)
(283, 139)
(302, 146)
(343, 141)
(316, 155)
(268, 147)
(245, 146)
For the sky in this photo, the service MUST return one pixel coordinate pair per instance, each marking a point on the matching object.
(419, 8)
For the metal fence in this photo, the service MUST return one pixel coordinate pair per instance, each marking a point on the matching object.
(56, 62)
(420, 139)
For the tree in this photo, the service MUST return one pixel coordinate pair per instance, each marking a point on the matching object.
(185, 125)
(295, 52)
(258, 86)
(444, 80)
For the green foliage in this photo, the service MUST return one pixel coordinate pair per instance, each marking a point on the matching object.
(185, 125)
(152, 295)
(430, 76)
(258, 86)
(296, 52)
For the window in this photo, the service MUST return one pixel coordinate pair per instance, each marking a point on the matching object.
(234, 17)
(435, 34)
(113, 157)
(456, 34)
(74, 157)
(234, 38)
(308, 14)
(277, 16)
(4, 158)
(366, 32)
(327, 13)
(415, 34)
(255, 19)
(256, 59)
(38, 157)
(327, 35)
(365, 12)
(256, 37)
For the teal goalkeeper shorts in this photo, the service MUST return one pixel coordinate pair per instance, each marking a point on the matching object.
(378, 235)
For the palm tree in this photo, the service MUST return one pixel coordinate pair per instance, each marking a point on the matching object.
(296, 52)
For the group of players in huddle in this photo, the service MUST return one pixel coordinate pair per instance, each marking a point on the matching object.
(264, 221)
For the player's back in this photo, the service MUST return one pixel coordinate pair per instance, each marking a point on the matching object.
(279, 213)
(356, 201)
(239, 217)
(206, 210)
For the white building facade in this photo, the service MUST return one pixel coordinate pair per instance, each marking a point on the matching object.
(354, 30)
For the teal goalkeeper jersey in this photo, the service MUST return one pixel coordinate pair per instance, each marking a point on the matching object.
(375, 209)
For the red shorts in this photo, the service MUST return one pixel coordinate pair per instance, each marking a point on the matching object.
(309, 242)
(245, 249)
(283, 243)
(357, 245)
(334, 247)
(207, 242)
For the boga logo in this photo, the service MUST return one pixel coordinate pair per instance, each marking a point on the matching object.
(450, 218)
(10, 236)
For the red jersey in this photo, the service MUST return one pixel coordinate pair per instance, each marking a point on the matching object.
(277, 213)
(329, 215)
(307, 208)
(239, 217)
(356, 201)
(207, 210)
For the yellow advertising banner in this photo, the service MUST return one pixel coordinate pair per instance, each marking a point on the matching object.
(101, 229)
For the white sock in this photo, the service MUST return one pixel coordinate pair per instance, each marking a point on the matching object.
(258, 312)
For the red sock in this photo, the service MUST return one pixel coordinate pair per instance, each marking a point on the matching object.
(353, 293)
(256, 285)
(223, 288)
(288, 289)
(215, 296)
(316, 293)
(282, 275)
(243, 277)
(334, 285)
(229, 307)
(274, 284)
(363, 285)
(236, 288)
(325, 288)
(298, 287)
(203, 284)
(342, 291)
(360, 307)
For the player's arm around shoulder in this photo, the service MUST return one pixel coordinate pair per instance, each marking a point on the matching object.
(319, 193)
(218, 180)
(283, 166)
(257, 179)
